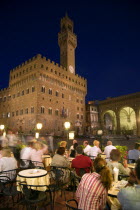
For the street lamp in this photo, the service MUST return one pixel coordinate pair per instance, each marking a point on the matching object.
(100, 133)
(39, 127)
(2, 127)
(67, 127)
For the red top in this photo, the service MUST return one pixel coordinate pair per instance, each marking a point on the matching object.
(81, 161)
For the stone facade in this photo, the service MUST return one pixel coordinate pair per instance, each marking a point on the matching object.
(119, 115)
(43, 91)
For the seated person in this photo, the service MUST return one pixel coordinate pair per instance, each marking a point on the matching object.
(93, 188)
(87, 147)
(129, 197)
(108, 149)
(134, 154)
(59, 159)
(25, 155)
(115, 157)
(73, 151)
(72, 146)
(94, 151)
(7, 163)
(37, 152)
(81, 161)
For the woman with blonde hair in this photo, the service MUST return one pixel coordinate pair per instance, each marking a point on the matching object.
(37, 151)
(93, 188)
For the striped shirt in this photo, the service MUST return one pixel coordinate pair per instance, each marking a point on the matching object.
(91, 193)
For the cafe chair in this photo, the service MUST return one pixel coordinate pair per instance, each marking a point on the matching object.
(36, 164)
(24, 163)
(8, 190)
(131, 160)
(37, 196)
(72, 204)
(10, 173)
(59, 180)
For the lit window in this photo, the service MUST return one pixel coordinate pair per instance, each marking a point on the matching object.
(8, 114)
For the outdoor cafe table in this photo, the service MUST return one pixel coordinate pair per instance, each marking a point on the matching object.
(113, 192)
(33, 177)
(116, 186)
(131, 165)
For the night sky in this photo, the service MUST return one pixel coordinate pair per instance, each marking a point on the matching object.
(108, 33)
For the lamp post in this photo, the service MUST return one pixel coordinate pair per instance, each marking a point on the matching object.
(39, 127)
(100, 133)
(67, 127)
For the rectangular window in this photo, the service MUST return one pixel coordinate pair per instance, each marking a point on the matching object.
(21, 112)
(32, 109)
(26, 111)
(27, 91)
(16, 113)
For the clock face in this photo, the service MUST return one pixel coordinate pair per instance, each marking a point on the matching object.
(71, 69)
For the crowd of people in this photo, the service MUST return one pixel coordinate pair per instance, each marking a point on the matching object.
(95, 172)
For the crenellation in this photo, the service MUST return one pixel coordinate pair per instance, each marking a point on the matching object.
(36, 94)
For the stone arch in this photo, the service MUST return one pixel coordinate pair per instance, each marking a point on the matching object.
(110, 122)
(128, 120)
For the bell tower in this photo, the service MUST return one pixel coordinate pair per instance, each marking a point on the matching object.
(67, 41)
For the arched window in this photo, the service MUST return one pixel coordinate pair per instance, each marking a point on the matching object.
(42, 109)
(56, 93)
(56, 112)
(32, 110)
(43, 89)
(50, 91)
(50, 111)
(33, 89)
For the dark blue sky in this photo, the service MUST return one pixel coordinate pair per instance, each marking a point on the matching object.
(108, 32)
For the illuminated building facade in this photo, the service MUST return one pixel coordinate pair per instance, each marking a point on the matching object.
(118, 115)
(46, 92)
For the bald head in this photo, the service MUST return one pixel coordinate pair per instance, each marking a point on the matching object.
(109, 143)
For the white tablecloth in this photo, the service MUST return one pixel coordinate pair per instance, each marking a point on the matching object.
(40, 177)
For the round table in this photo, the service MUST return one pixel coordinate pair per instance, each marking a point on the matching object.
(32, 173)
(33, 177)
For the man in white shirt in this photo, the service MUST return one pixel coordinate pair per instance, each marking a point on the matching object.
(87, 147)
(25, 155)
(108, 149)
(94, 151)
